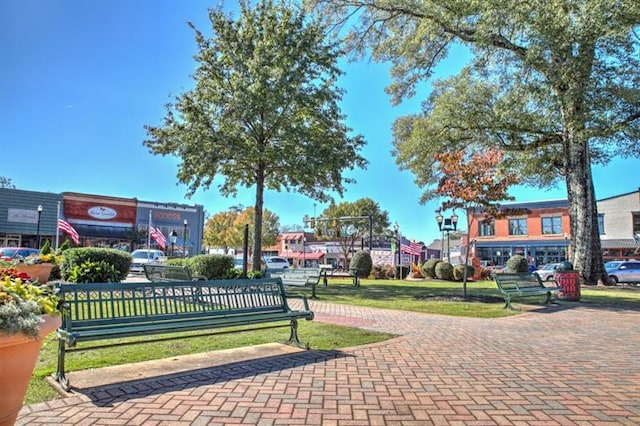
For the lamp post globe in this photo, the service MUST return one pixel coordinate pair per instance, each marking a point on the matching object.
(38, 228)
(184, 238)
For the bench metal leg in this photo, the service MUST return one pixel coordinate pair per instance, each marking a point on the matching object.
(293, 338)
(548, 297)
(313, 291)
(59, 375)
(507, 302)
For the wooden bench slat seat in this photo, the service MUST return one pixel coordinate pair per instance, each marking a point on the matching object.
(522, 284)
(103, 311)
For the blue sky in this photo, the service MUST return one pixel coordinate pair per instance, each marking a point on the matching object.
(79, 80)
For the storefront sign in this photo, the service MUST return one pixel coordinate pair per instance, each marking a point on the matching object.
(22, 216)
(102, 212)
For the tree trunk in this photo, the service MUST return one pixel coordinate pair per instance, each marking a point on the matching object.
(583, 214)
(257, 224)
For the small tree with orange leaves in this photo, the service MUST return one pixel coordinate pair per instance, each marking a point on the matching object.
(474, 181)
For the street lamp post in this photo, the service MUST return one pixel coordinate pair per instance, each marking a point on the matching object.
(38, 229)
(397, 249)
(447, 225)
(173, 237)
(184, 239)
(566, 246)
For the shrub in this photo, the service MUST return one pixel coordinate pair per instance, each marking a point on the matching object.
(232, 274)
(176, 261)
(429, 268)
(361, 264)
(458, 272)
(210, 266)
(444, 271)
(66, 245)
(90, 271)
(46, 248)
(73, 257)
(382, 272)
(517, 263)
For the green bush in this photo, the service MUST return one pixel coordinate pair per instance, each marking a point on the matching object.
(73, 257)
(429, 268)
(232, 274)
(517, 263)
(46, 248)
(176, 261)
(444, 271)
(361, 264)
(382, 272)
(90, 271)
(210, 266)
(458, 272)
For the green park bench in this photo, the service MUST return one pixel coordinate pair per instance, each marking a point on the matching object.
(100, 311)
(299, 277)
(521, 284)
(163, 273)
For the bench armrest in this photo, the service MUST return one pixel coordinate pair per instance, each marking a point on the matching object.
(305, 302)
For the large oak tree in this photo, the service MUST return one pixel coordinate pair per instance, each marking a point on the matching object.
(264, 110)
(555, 84)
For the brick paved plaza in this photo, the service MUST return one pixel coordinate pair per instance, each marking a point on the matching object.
(567, 364)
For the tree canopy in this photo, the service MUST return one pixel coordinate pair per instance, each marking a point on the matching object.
(226, 229)
(264, 110)
(353, 226)
(553, 84)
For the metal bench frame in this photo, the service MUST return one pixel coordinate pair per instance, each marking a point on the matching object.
(299, 277)
(100, 311)
(521, 284)
(164, 273)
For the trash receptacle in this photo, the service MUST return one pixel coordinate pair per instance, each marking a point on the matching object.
(569, 282)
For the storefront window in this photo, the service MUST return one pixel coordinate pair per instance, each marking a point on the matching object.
(552, 225)
(518, 226)
(487, 229)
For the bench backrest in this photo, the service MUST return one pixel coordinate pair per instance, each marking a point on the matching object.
(298, 276)
(94, 304)
(517, 281)
(160, 273)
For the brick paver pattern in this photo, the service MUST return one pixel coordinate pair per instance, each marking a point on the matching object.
(577, 364)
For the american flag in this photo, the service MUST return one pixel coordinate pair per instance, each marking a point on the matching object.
(66, 227)
(411, 248)
(158, 236)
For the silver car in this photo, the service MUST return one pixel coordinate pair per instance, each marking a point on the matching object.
(627, 271)
(546, 272)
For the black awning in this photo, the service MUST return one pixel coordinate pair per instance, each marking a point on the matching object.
(99, 231)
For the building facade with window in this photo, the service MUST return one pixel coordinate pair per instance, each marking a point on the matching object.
(619, 226)
(100, 220)
(541, 235)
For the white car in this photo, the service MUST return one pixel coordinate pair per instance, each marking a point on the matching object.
(546, 272)
(276, 263)
(145, 256)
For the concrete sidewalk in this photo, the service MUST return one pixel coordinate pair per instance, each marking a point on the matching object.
(570, 364)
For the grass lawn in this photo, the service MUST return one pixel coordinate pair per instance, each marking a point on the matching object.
(436, 297)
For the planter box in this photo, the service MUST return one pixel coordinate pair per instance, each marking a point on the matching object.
(39, 271)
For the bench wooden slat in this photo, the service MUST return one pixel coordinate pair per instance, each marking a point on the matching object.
(116, 310)
(521, 284)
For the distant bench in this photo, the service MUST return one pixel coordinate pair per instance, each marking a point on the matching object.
(521, 284)
(163, 273)
(299, 277)
(102, 311)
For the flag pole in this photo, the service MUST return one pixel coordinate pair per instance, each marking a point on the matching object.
(58, 226)
(149, 237)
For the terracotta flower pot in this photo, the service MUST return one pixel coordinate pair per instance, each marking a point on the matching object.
(39, 271)
(18, 356)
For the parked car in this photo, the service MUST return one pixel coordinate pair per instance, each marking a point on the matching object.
(546, 272)
(17, 253)
(145, 256)
(238, 263)
(276, 263)
(627, 271)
